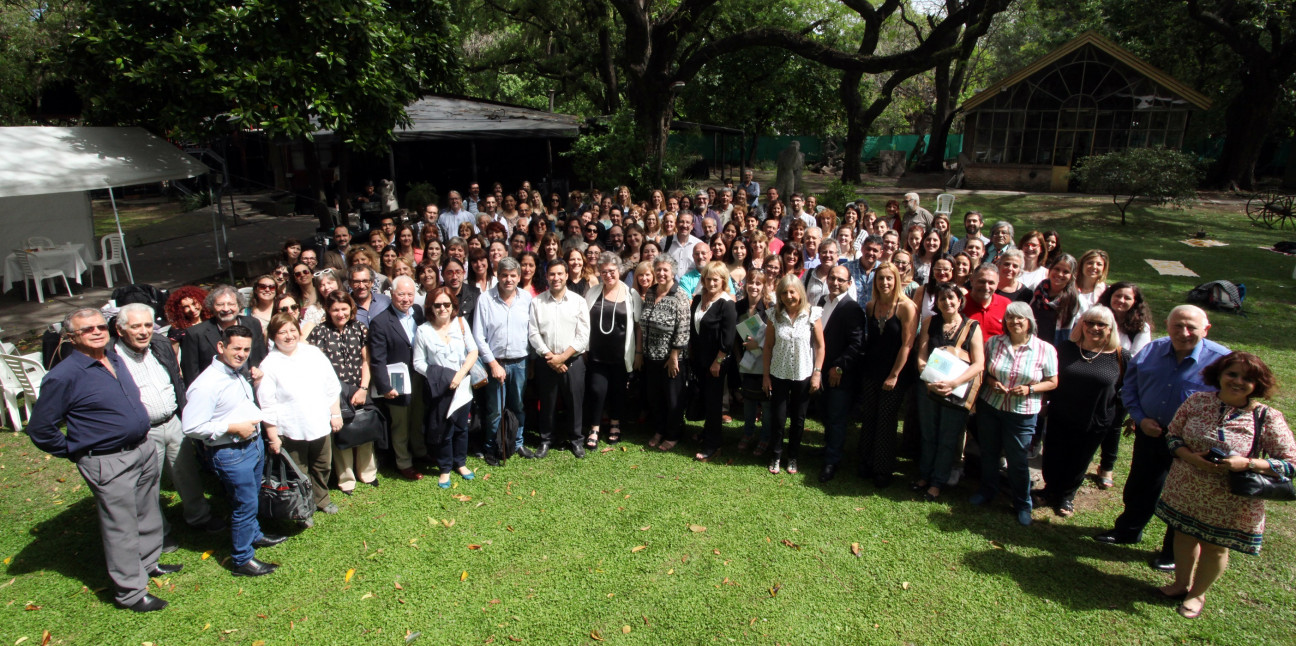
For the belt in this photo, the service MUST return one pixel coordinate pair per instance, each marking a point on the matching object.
(164, 420)
(94, 453)
(509, 362)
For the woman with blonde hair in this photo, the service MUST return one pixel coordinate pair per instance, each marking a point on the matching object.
(793, 364)
(892, 322)
(710, 343)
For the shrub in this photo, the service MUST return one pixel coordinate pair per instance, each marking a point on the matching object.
(1159, 174)
(419, 195)
(838, 194)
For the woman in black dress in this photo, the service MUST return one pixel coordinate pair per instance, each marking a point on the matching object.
(1083, 408)
(712, 340)
(893, 321)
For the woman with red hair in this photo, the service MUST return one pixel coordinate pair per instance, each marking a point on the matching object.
(184, 309)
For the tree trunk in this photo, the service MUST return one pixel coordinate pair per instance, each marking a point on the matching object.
(315, 176)
(607, 66)
(1246, 127)
(751, 151)
(653, 103)
(856, 131)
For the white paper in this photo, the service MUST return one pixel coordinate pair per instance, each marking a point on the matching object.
(462, 395)
(751, 362)
(942, 365)
(399, 376)
(753, 327)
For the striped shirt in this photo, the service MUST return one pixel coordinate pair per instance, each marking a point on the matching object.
(156, 391)
(1030, 364)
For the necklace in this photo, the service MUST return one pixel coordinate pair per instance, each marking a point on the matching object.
(1089, 359)
(601, 310)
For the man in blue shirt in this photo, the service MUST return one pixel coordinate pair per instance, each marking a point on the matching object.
(107, 438)
(500, 330)
(861, 269)
(1157, 381)
(221, 412)
(751, 186)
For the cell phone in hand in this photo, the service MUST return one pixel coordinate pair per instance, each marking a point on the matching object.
(1216, 455)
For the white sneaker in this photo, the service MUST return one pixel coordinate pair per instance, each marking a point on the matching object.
(954, 476)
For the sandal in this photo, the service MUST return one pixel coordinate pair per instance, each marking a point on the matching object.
(1066, 509)
(656, 439)
(1188, 613)
(667, 445)
(591, 442)
(774, 466)
(614, 434)
(928, 496)
(760, 448)
(744, 443)
(1105, 480)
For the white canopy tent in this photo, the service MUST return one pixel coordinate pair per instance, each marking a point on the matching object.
(46, 175)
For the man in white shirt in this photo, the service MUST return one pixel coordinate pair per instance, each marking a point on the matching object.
(680, 247)
(724, 205)
(843, 330)
(454, 216)
(474, 197)
(559, 333)
(500, 328)
(221, 412)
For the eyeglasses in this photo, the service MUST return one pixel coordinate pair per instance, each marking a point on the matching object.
(1097, 325)
(103, 327)
(270, 287)
(289, 308)
(281, 272)
(440, 306)
(302, 273)
(361, 282)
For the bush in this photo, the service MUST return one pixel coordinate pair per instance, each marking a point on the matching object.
(421, 194)
(608, 155)
(838, 194)
(1159, 174)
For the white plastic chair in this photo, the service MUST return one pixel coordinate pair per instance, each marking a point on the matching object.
(33, 272)
(9, 390)
(39, 242)
(111, 252)
(944, 204)
(28, 373)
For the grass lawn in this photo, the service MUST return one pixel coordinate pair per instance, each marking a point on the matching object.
(147, 220)
(634, 546)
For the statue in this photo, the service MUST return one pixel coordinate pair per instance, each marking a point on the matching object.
(790, 164)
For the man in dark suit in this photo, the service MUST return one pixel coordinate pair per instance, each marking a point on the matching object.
(391, 341)
(335, 258)
(152, 363)
(199, 344)
(843, 330)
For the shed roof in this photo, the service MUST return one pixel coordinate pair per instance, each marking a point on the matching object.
(1106, 45)
(441, 117)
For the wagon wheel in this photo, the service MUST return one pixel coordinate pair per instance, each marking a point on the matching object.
(1255, 207)
(1280, 211)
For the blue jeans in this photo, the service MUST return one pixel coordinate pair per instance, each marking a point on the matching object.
(505, 395)
(837, 402)
(941, 427)
(239, 469)
(1009, 433)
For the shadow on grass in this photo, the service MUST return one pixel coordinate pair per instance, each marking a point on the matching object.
(70, 545)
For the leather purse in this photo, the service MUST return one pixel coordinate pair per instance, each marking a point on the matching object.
(1250, 484)
(286, 492)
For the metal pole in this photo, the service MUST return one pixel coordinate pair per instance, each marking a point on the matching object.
(117, 217)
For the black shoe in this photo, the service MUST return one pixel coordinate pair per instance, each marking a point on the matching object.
(829, 472)
(577, 450)
(164, 569)
(1115, 538)
(169, 544)
(214, 525)
(269, 540)
(543, 451)
(255, 568)
(491, 460)
(1163, 563)
(148, 604)
(373, 483)
(526, 453)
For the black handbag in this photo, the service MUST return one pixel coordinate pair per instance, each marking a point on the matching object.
(367, 424)
(285, 490)
(1250, 484)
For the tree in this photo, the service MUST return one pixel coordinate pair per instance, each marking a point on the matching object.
(1158, 174)
(33, 34)
(200, 69)
(1262, 33)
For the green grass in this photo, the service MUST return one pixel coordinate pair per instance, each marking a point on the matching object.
(149, 220)
(557, 564)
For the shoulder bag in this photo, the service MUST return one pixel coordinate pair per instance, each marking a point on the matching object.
(285, 491)
(477, 374)
(1250, 484)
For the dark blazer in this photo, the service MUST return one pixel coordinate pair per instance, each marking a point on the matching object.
(714, 334)
(199, 346)
(467, 296)
(388, 344)
(844, 337)
(161, 350)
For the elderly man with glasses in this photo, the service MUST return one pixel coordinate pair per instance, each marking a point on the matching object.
(200, 341)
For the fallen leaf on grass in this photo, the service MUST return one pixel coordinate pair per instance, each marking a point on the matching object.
(207, 554)
(464, 576)
(752, 622)
(30, 607)
(349, 573)
(206, 625)
(45, 637)
(670, 571)
(596, 635)
(231, 631)
(625, 630)
(791, 544)
(509, 527)
(259, 642)
(11, 582)
(638, 548)
(716, 552)
(474, 547)
(904, 585)
(461, 497)
(855, 549)
(448, 522)
(607, 450)
(774, 589)
(20, 640)
(411, 636)
(696, 528)
(367, 595)
(642, 529)
(514, 639)
(996, 544)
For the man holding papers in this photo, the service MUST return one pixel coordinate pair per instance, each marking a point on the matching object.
(391, 348)
(222, 413)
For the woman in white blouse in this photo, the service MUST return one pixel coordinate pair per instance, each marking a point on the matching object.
(793, 357)
(299, 393)
(445, 342)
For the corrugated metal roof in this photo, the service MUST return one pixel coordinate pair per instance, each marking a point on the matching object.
(452, 117)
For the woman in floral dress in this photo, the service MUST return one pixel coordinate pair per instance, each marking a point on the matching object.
(1209, 520)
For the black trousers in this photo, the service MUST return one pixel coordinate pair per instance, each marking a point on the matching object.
(789, 399)
(570, 388)
(1067, 454)
(1148, 470)
(711, 390)
(664, 399)
(605, 390)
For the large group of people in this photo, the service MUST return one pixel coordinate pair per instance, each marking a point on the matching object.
(574, 316)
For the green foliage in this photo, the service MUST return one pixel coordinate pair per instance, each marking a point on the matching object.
(1158, 174)
(609, 155)
(195, 201)
(419, 195)
(199, 68)
(32, 35)
(838, 194)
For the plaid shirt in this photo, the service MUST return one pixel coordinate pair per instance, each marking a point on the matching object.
(1032, 363)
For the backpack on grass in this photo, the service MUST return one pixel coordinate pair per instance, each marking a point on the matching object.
(1221, 295)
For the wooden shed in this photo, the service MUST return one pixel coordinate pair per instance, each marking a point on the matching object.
(1087, 97)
